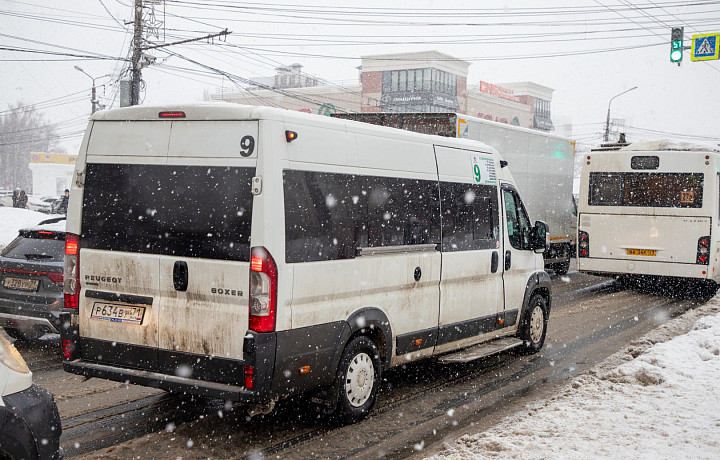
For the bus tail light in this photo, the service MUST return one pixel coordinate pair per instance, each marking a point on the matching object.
(263, 290)
(71, 285)
(583, 244)
(703, 251)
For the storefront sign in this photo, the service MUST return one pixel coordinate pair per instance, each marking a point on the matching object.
(497, 91)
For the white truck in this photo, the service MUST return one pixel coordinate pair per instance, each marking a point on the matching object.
(542, 165)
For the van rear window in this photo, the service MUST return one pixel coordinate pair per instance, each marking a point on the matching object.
(664, 190)
(187, 211)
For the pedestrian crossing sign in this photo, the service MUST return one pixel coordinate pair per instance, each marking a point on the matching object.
(704, 47)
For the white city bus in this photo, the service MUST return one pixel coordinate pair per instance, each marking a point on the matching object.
(649, 210)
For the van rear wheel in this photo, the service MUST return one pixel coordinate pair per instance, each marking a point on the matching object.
(533, 326)
(358, 378)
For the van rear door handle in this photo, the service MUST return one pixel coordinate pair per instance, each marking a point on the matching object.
(180, 275)
(507, 260)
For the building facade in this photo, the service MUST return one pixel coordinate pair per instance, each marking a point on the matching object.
(427, 81)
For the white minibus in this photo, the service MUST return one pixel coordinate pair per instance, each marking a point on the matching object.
(253, 253)
(649, 210)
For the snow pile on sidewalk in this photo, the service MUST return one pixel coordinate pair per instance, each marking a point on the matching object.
(649, 401)
(13, 219)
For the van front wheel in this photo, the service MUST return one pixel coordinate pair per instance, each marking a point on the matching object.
(357, 380)
(533, 326)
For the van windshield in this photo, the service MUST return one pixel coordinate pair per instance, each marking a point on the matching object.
(189, 211)
(664, 190)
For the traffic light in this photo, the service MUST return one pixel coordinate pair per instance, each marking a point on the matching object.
(676, 45)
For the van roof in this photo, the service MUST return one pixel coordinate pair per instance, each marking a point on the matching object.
(230, 111)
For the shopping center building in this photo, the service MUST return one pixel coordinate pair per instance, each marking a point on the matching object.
(427, 81)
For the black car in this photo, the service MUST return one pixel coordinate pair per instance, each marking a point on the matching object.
(31, 281)
(29, 421)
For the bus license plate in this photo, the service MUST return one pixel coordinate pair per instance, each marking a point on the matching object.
(117, 313)
(21, 284)
(641, 252)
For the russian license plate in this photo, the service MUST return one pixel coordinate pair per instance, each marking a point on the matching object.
(21, 284)
(117, 313)
(641, 252)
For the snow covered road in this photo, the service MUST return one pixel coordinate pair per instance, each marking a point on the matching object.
(657, 399)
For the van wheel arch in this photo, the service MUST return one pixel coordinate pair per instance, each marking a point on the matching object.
(538, 283)
(373, 323)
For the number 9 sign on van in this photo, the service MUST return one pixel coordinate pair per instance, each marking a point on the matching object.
(483, 169)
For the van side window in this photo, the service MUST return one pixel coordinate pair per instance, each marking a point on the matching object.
(470, 216)
(518, 223)
(188, 211)
(329, 215)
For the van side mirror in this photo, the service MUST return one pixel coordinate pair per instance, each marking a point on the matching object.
(538, 237)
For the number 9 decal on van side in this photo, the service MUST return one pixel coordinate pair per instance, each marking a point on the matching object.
(247, 146)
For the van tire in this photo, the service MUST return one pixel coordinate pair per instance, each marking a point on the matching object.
(533, 326)
(358, 378)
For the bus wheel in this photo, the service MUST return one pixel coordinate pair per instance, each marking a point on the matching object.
(357, 380)
(562, 268)
(533, 326)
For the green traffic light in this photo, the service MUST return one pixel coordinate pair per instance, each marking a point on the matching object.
(676, 44)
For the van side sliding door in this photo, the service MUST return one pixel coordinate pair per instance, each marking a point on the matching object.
(471, 279)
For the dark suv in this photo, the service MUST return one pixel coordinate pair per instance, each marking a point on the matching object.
(31, 281)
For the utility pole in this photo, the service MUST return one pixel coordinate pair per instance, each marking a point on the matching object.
(137, 55)
(93, 100)
(607, 120)
(138, 61)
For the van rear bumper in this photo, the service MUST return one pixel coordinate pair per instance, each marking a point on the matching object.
(167, 382)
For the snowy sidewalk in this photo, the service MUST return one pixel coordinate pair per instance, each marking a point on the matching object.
(657, 399)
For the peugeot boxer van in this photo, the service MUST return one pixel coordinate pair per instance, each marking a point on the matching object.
(252, 253)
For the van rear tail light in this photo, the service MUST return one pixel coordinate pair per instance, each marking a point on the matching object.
(263, 290)
(67, 349)
(71, 285)
(583, 244)
(248, 377)
(703, 251)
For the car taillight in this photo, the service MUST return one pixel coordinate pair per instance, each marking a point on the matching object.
(56, 278)
(263, 290)
(703, 251)
(71, 285)
(583, 244)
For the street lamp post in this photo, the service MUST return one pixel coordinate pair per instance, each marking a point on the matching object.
(93, 99)
(607, 121)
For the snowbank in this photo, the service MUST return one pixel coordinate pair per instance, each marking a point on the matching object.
(652, 400)
(13, 219)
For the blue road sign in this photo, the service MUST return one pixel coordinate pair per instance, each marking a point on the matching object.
(705, 47)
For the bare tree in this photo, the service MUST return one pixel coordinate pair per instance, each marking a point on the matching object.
(22, 130)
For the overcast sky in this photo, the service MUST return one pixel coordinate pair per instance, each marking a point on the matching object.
(588, 51)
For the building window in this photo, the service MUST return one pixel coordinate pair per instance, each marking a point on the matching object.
(429, 80)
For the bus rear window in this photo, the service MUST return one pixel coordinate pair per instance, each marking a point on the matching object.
(662, 190)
